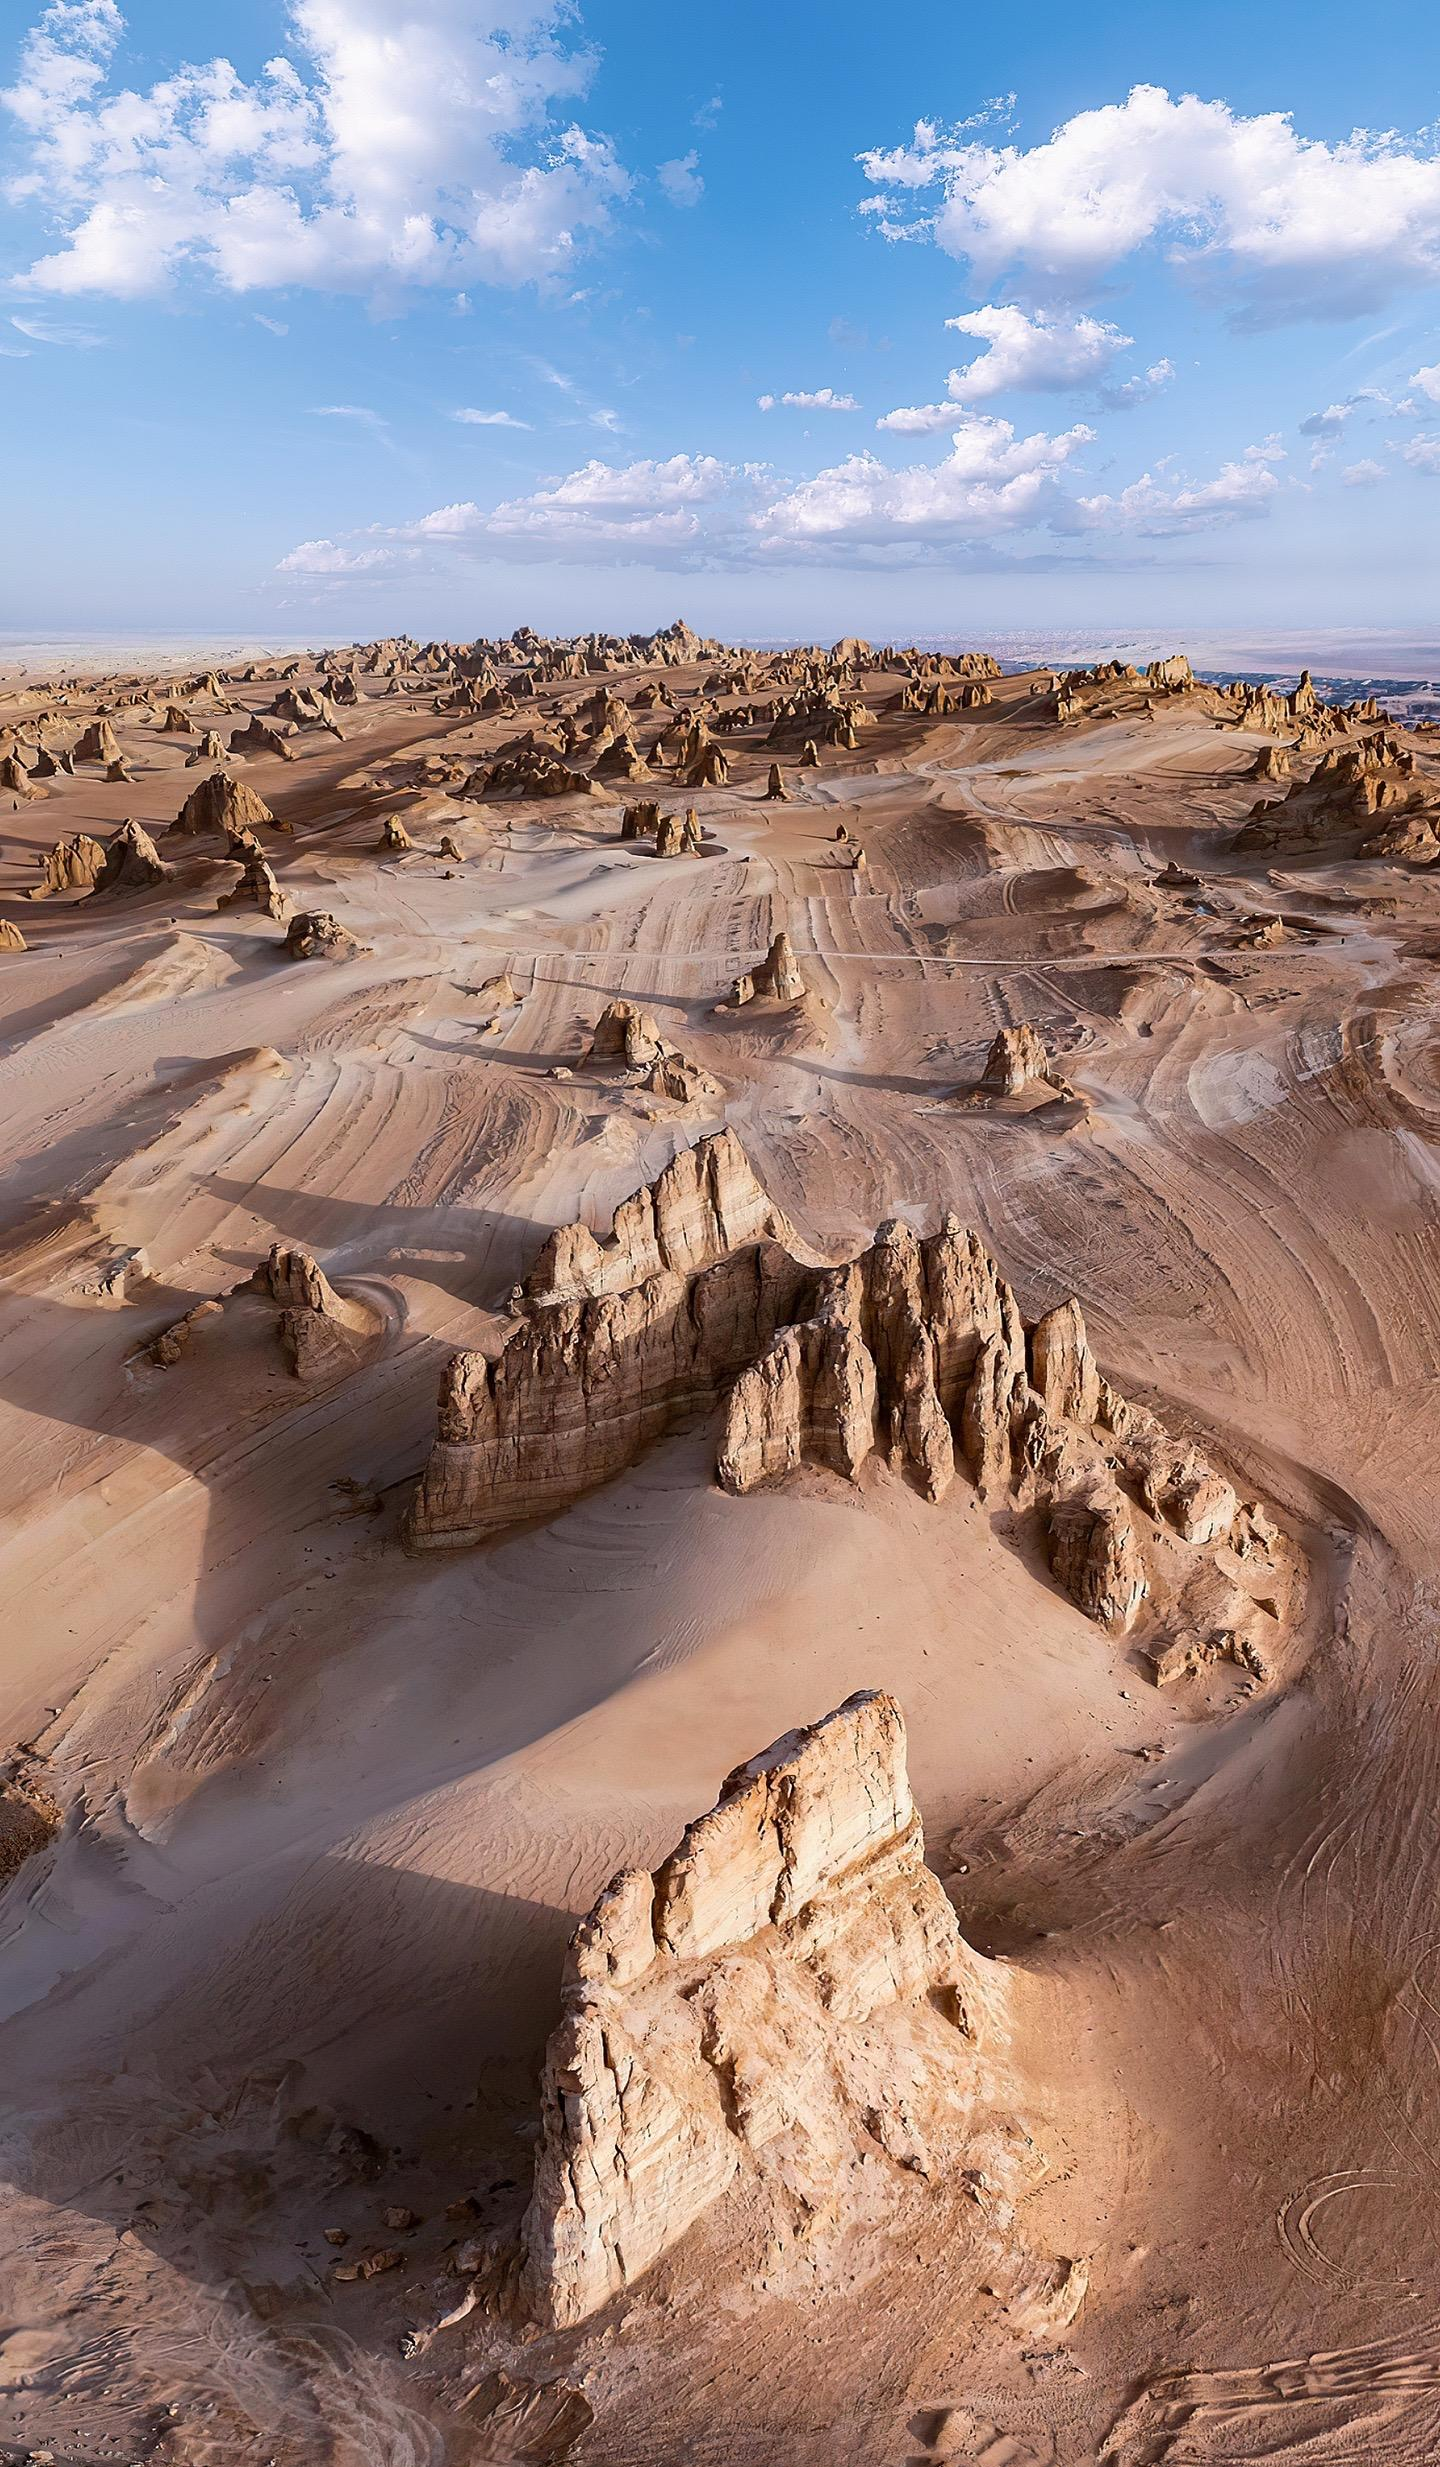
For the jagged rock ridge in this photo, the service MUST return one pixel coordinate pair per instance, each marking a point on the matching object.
(916, 1352)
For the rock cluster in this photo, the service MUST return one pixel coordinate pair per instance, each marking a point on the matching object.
(786, 2003)
(72, 865)
(1354, 785)
(916, 1352)
(627, 1035)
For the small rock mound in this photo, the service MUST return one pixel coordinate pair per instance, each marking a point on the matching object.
(394, 838)
(11, 938)
(257, 887)
(315, 934)
(259, 738)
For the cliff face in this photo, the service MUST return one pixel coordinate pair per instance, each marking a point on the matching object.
(916, 1352)
(788, 1994)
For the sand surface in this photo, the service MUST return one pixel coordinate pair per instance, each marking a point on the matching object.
(330, 1810)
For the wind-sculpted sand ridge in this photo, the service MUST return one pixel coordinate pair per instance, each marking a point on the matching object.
(299, 1820)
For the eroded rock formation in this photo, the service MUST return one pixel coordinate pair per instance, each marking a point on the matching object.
(625, 1033)
(72, 865)
(1016, 1062)
(786, 2003)
(322, 1334)
(259, 738)
(257, 886)
(132, 861)
(915, 1353)
(315, 934)
(221, 803)
(776, 979)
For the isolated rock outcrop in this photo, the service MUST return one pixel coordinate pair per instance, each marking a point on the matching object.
(11, 938)
(257, 886)
(315, 934)
(259, 738)
(625, 1033)
(914, 1353)
(221, 803)
(132, 861)
(322, 1334)
(786, 2004)
(98, 743)
(776, 792)
(678, 835)
(1017, 1060)
(776, 979)
(15, 780)
(393, 836)
(710, 769)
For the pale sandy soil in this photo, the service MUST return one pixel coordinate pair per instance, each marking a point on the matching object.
(332, 1810)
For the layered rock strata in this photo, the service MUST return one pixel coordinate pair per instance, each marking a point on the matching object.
(916, 1353)
(787, 2000)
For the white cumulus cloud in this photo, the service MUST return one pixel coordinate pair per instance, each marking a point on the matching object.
(1302, 225)
(823, 398)
(394, 143)
(990, 481)
(1161, 506)
(681, 180)
(1032, 354)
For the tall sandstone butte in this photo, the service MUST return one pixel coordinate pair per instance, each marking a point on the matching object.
(789, 1994)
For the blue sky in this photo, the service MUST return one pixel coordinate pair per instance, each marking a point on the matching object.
(345, 316)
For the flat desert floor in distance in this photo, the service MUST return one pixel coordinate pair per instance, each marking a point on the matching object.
(299, 1815)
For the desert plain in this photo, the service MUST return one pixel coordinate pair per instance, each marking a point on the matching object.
(598, 1230)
